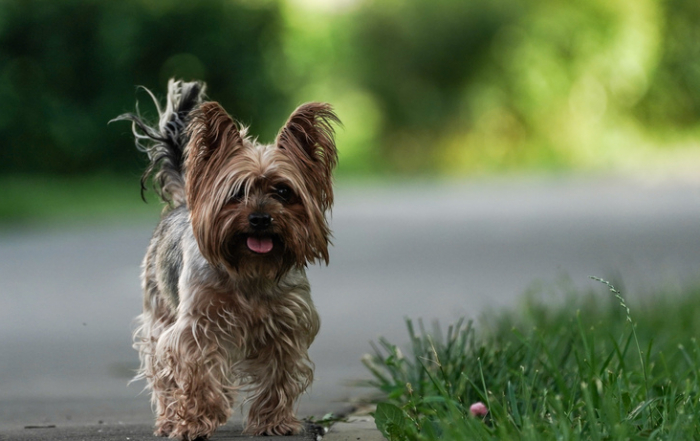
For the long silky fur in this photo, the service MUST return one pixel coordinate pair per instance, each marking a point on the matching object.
(217, 319)
(165, 144)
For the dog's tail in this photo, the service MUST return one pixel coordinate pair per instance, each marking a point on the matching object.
(165, 144)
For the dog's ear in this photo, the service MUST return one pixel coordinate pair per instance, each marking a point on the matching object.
(212, 129)
(308, 138)
(214, 138)
(309, 135)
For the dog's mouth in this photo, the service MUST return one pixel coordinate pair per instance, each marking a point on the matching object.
(255, 246)
(260, 244)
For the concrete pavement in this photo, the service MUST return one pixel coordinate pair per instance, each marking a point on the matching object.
(356, 429)
(353, 428)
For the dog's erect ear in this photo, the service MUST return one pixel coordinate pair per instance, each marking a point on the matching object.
(214, 137)
(211, 130)
(308, 136)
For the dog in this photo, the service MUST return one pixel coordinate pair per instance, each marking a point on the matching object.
(227, 304)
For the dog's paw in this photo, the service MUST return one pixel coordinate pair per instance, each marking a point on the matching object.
(290, 426)
(193, 431)
(163, 428)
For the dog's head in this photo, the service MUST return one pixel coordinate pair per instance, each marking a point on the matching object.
(260, 209)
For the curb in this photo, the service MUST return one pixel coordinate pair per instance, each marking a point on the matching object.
(355, 428)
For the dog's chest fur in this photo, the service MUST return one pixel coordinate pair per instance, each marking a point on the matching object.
(246, 313)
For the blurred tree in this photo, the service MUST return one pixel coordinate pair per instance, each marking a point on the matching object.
(67, 67)
(469, 85)
(673, 100)
(440, 86)
(417, 57)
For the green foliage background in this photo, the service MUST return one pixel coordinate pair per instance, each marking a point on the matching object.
(423, 86)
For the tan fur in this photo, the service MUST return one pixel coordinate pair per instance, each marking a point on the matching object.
(217, 316)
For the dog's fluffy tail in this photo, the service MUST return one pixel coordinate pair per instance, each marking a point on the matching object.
(165, 144)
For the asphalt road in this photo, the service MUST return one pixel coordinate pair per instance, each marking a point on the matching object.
(436, 251)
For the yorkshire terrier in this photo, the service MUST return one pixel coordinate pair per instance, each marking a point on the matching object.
(227, 305)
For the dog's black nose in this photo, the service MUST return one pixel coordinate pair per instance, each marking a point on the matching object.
(259, 220)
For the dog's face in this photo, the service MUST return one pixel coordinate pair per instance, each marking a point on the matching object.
(259, 210)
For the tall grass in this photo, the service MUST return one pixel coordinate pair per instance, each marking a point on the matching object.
(590, 368)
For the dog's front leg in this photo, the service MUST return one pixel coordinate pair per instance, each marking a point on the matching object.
(199, 368)
(281, 372)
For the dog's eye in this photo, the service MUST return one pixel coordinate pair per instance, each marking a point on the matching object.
(284, 193)
(238, 197)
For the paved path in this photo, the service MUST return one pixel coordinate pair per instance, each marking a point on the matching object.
(68, 295)
(122, 432)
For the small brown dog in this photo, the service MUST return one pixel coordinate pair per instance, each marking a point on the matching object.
(227, 304)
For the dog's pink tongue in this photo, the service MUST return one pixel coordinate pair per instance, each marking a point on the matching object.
(260, 245)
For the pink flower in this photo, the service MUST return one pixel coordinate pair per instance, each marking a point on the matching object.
(478, 409)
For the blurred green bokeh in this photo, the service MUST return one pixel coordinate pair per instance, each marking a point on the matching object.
(434, 87)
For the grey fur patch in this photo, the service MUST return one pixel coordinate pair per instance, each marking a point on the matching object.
(167, 254)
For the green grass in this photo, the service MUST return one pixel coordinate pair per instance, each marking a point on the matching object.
(587, 368)
(62, 200)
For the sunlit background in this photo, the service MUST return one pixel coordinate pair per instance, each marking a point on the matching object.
(431, 88)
